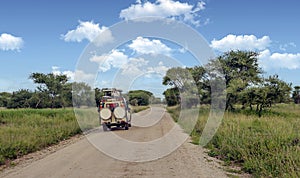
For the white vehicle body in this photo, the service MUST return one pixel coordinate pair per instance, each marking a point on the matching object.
(113, 110)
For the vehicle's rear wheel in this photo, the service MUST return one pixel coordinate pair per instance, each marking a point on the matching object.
(126, 127)
(104, 127)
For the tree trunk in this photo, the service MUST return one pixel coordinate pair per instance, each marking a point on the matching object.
(260, 111)
(37, 104)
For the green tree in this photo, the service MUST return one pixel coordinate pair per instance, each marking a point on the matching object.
(172, 96)
(240, 70)
(296, 95)
(98, 95)
(40, 100)
(181, 80)
(271, 90)
(139, 97)
(65, 98)
(202, 81)
(52, 85)
(279, 90)
(20, 99)
(4, 98)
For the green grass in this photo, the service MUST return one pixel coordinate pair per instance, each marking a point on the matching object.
(265, 147)
(23, 131)
(136, 109)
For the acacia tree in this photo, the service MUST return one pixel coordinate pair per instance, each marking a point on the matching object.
(183, 85)
(245, 84)
(52, 85)
(272, 90)
(240, 70)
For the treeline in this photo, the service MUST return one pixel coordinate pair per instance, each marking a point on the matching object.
(56, 91)
(53, 91)
(244, 82)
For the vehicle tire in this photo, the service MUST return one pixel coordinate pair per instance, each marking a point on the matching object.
(126, 127)
(104, 127)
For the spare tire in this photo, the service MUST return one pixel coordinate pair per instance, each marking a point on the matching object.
(105, 113)
(119, 112)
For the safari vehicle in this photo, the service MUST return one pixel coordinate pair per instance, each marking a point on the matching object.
(114, 110)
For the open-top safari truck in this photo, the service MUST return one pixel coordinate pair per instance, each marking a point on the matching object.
(114, 110)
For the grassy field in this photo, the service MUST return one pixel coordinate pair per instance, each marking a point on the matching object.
(23, 131)
(265, 147)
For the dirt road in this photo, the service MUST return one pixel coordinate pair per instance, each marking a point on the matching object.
(154, 147)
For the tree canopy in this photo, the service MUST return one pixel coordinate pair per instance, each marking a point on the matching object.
(139, 97)
(245, 84)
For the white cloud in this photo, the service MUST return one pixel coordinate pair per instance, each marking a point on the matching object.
(134, 67)
(285, 46)
(270, 60)
(164, 8)
(78, 75)
(146, 46)
(10, 42)
(242, 42)
(81, 76)
(115, 59)
(267, 60)
(68, 73)
(89, 31)
(160, 69)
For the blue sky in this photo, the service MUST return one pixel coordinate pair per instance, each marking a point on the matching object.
(50, 35)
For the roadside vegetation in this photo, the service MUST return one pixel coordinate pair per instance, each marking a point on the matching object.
(23, 131)
(136, 109)
(267, 146)
(260, 130)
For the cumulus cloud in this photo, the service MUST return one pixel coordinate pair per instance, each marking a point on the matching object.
(89, 31)
(82, 76)
(164, 8)
(267, 60)
(134, 67)
(10, 42)
(241, 42)
(270, 60)
(146, 46)
(77, 75)
(114, 59)
(129, 66)
(161, 69)
(56, 71)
